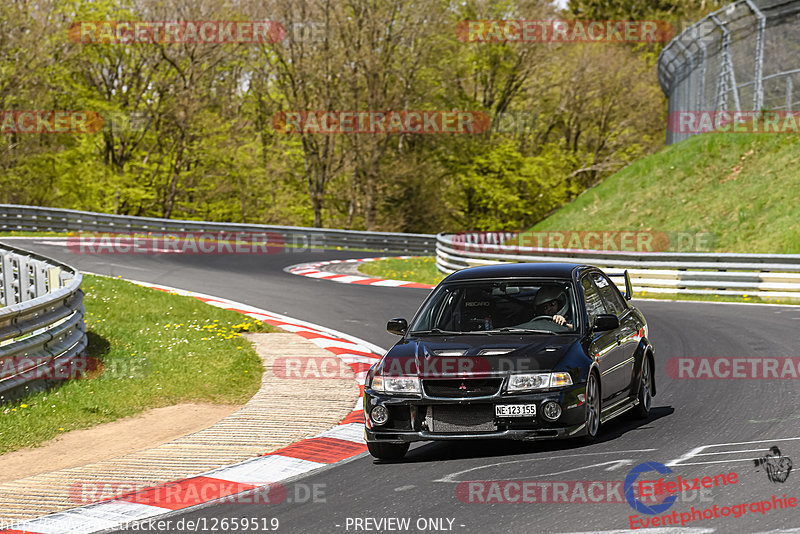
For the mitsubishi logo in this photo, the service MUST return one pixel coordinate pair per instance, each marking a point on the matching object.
(462, 387)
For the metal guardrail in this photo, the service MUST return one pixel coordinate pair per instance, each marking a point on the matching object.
(31, 218)
(762, 275)
(41, 317)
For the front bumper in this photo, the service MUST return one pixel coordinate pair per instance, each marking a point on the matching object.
(409, 419)
(521, 435)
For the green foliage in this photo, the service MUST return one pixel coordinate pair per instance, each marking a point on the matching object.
(500, 189)
(189, 132)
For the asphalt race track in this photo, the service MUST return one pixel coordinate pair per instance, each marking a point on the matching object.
(697, 427)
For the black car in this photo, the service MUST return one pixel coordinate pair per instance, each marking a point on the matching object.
(520, 351)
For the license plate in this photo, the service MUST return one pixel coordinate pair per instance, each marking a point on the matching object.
(515, 410)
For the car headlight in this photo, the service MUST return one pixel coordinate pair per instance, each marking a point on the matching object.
(531, 381)
(399, 384)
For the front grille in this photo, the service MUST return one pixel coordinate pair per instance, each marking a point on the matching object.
(461, 419)
(469, 387)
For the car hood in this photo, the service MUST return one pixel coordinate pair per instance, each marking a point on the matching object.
(487, 355)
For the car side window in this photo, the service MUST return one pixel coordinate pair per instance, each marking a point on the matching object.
(594, 304)
(610, 294)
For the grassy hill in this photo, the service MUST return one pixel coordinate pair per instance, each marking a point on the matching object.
(743, 188)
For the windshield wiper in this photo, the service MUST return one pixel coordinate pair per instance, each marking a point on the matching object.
(511, 330)
(433, 331)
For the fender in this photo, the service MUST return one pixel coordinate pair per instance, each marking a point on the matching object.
(644, 348)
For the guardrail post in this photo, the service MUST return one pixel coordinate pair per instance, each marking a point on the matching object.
(758, 96)
(726, 82)
(23, 279)
(53, 278)
(9, 286)
(39, 277)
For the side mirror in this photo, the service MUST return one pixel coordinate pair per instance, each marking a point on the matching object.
(628, 287)
(604, 322)
(397, 326)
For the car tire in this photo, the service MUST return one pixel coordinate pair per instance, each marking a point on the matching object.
(645, 396)
(592, 418)
(387, 451)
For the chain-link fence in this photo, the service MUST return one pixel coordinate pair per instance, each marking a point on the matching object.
(743, 57)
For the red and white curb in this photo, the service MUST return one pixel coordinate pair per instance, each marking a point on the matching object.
(317, 270)
(335, 445)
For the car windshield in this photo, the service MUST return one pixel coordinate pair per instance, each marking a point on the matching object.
(499, 306)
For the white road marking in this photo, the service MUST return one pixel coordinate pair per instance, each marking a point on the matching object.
(390, 283)
(321, 275)
(698, 451)
(730, 452)
(350, 432)
(91, 518)
(264, 470)
(617, 464)
(452, 476)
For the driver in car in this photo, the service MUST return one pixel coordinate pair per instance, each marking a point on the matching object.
(552, 301)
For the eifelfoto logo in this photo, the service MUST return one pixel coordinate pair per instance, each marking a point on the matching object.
(635, 503)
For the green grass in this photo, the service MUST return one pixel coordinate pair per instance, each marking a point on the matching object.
(26, 233)
(421, 270)
(157, 349)
(714, 298)
(741, 188)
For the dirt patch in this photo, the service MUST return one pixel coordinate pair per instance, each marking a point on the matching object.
(110, 440)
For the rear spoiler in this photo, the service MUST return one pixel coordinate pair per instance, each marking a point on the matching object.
(628, 286)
